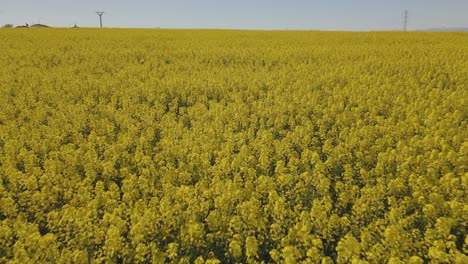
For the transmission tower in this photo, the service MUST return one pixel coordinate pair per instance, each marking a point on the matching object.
(100, 13)
(405, 21)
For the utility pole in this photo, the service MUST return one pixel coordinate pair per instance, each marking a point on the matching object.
(405, 21)
(100, 13)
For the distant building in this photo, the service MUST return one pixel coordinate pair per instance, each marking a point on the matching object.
(39, 26)
(33, 26)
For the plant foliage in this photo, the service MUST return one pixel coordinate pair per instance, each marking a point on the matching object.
(209, 146)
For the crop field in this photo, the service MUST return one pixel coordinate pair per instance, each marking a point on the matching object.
(225, 146)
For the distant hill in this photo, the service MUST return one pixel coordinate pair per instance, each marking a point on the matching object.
(448, 29)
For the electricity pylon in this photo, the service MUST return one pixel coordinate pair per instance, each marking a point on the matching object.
(100, 13)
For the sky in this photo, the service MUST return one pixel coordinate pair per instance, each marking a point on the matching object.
(353, 15)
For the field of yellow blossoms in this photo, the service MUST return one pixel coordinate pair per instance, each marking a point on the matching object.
(217, 146)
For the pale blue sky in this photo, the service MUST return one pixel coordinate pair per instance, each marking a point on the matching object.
(243, 14)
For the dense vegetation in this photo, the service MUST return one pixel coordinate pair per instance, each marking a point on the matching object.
(179, 146)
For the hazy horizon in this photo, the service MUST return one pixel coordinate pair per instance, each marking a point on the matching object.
(335, 15)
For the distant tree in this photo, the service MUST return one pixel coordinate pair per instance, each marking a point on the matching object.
(8, 26)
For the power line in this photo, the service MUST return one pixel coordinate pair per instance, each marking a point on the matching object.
(100, 13)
